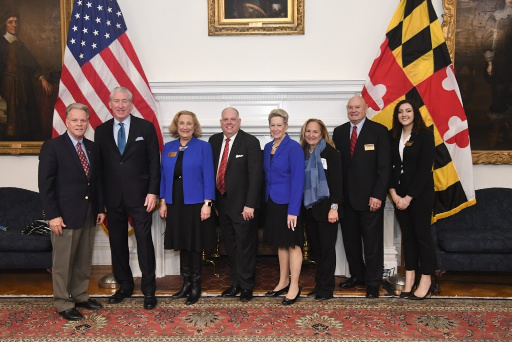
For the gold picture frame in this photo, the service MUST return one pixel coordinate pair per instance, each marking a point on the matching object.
(449, 30)
(246, 17)
(34, 147)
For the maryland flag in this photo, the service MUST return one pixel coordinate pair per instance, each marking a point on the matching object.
(414, 63)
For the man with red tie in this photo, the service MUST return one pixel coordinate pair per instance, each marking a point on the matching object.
(238, 161)
(73, 203)
(364, 147)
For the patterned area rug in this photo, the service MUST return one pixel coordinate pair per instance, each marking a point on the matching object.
(263, 319)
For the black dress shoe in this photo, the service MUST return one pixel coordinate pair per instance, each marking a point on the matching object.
(246, 295)
(232, 291)
(287, 301)
(351, 282)
(372, 292)
(149, 302)
(320, 297)
(312, 294)
(71, 314)
(89, 304)
(278, 292)
(118, 297)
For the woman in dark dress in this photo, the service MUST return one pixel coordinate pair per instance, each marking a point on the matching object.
(322, 196)
(283, 162)
(412, 192)
(187, 188)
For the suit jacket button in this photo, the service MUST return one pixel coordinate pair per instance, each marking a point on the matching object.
(86, 197)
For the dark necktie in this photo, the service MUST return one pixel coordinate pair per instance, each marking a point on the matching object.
(221, 186)
(353, 140)
(83, 158)
(121, 138)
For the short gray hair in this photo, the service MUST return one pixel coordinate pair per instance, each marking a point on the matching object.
(233, 108)
(121, 90)
(77, 106)
(279, 113)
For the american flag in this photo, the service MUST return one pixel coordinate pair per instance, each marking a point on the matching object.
(98, 57)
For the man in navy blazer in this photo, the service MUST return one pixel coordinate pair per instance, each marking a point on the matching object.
(366, 176)
(236, 206)
(130, 159)
(72, 202)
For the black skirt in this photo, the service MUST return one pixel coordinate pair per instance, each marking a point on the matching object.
(185, 230)
(276, 231)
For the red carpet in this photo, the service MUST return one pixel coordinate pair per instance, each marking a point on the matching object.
(263, 319)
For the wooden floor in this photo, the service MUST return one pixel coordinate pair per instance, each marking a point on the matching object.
(453, 284)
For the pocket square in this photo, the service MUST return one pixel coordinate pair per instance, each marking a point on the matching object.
(139, 139)
(239, 156)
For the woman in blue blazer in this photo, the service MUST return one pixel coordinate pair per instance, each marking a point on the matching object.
(187, 189)
(412, 192)
(283, 162)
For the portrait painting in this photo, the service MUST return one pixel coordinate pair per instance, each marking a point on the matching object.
(480, 35)
(30, 68)
(251, 17)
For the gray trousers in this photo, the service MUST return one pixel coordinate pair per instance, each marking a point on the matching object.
(72, 257)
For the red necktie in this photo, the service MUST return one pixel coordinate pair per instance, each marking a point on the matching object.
(83, 159)
(353, 140)
(221, 186)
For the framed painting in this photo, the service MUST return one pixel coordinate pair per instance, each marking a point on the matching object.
(255, 17)
(479, 36)
(31, 34)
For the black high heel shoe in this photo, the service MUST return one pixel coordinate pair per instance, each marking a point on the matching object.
(287, 301)
(278, 292)
(405, 294)
(428, 294)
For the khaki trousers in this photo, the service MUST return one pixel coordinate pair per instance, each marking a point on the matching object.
(72, 257)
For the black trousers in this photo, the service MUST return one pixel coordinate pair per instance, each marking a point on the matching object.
(364, 231)
(241, 241)
(322, 241)
(118, 236)
(415, 223)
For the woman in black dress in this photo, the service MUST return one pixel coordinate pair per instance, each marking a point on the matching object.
(322, 196)
(187, 188)
(412, 192)
(283, 162)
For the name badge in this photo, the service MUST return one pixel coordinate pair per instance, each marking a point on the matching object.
(172, 154)
(409, 143)
(369, 147)
(324, 163)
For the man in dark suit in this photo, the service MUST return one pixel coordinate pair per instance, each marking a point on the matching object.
(239, 180)
(72, 201)
(364, 147)
(131, 181)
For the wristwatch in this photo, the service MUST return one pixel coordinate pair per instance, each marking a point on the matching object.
(334, 206)
(209, 203)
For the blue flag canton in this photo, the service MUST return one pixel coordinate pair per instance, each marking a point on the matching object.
(94, 25)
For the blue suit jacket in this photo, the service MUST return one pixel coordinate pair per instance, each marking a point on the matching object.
(198, 175)
(284, 174)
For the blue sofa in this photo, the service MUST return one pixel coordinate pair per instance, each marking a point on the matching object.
(19, 208)
(479, 238)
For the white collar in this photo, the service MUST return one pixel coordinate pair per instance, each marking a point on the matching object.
(10, 37)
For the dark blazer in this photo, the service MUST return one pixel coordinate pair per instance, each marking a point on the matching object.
(244, 170)
(198, 175)
(64, 188)
(366, 174)
(134, 174)
(417, 177)
(333, 173)
(284, 174)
